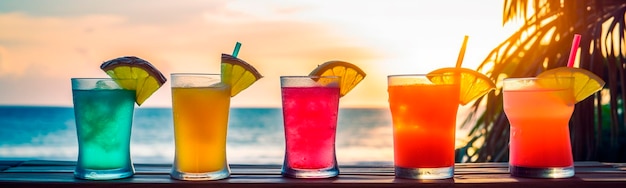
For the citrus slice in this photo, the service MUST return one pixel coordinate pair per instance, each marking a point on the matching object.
(473, 84)
(586, 83)
(350, 74)
(238, 74)
(135, 74)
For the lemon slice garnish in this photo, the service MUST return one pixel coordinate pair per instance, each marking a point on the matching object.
(586, 83)
(473, 84)
(238, 74)
(135, 74)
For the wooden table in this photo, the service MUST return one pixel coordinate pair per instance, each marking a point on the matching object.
(60, 174)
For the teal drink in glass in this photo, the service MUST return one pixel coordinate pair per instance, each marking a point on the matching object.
(104, 115)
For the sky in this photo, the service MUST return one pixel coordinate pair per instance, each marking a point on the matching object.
(44, 43)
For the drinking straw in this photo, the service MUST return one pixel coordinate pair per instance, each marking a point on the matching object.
(236, 50)
(459, 60)
(572, 52)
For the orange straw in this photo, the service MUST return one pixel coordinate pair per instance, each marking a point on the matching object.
(459, 60)
(572, 52)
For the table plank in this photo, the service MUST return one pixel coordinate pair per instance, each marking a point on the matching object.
(60, 174)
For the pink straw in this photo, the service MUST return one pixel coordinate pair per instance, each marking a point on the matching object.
(572, 53)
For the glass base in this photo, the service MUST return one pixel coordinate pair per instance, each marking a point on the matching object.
(216, 175)
(310, 173)
(424, 173)
(550, 172)
(90, 174)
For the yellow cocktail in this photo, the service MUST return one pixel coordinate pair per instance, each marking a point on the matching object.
(200, 105)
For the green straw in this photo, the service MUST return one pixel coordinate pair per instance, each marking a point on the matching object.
(236, 50)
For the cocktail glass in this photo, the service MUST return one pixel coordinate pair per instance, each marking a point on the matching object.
(539, 117)
(424, 123)
(104, 115)
(310, 106)
(200, 106)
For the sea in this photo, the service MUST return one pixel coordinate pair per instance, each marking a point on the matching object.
(255, 135)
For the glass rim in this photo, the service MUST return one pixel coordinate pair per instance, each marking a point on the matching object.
(536, 78)
(413, 75)
(416, 79)
(193, 74)
(519, 84)
(92, 83)
(310, 77)
(103, 78)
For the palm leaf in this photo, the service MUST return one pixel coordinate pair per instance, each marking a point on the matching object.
(542, 43)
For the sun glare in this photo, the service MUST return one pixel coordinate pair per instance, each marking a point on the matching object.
(279, 37)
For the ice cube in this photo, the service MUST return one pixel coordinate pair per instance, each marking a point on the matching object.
(194, 81)
(218, 84)
(332, 84)
(103, 84)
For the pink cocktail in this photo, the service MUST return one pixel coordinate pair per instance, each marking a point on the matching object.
(539, 117)
(310, 108)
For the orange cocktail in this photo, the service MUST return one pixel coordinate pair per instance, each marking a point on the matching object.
(539, 118)
(424, 123)
(200, 105)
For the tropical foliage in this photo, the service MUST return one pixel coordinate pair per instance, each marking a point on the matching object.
(543, 41)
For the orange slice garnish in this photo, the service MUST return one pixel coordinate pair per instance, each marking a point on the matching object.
(350, 74)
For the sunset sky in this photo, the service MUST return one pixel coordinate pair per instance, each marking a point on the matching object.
(44, 43)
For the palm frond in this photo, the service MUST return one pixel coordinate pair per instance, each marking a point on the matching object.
(542, 43)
